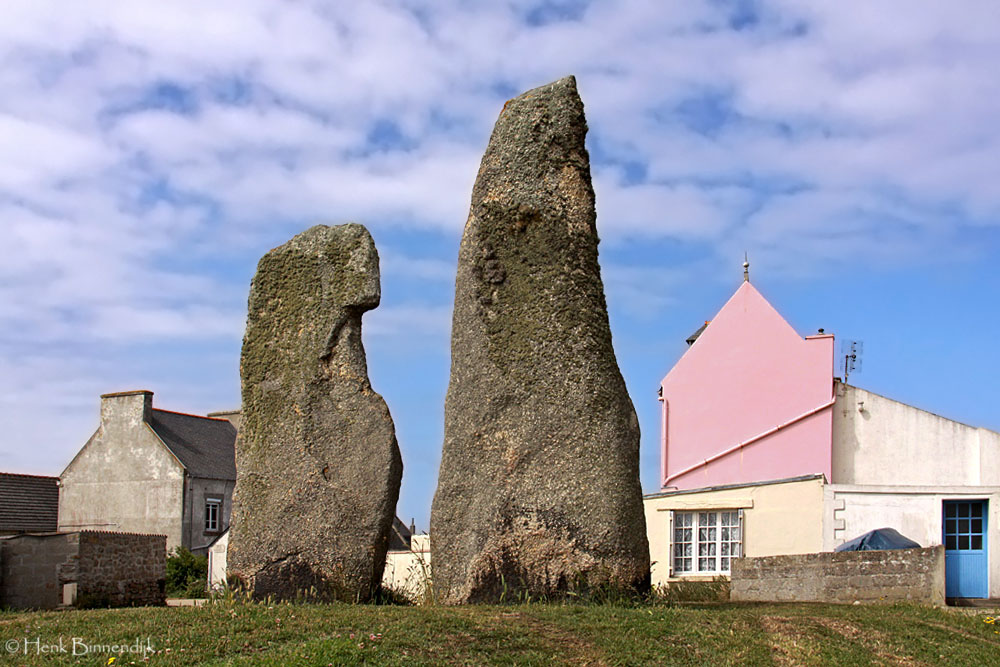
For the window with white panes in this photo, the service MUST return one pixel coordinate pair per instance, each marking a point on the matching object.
(706, 542)
(213, 507)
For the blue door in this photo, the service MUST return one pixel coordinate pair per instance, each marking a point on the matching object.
(965, 562)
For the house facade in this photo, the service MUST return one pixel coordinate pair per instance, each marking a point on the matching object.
(152, 471)
(765, 452)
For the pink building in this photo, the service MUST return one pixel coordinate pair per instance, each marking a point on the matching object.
(765, 453)
(750, 400)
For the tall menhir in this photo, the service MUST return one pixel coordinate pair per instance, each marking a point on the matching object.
(538, 490)
(317, 464)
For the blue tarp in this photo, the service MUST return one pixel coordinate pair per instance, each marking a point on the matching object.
(880, 539)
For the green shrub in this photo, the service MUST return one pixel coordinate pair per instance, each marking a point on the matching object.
(187, 574)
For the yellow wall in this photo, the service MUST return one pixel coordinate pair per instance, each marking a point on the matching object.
(778, 518)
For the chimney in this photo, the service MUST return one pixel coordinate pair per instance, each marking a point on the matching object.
(234, 417)
(128, 407)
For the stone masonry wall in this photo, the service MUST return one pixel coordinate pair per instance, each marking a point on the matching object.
(120, 569)
(34, 569)
(916, 575)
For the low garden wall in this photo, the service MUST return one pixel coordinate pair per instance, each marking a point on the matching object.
(915, 575)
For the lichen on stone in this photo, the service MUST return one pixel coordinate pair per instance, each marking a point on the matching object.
(539, 481)
(318, 466)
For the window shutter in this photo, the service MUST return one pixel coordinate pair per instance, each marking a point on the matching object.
(670, 544)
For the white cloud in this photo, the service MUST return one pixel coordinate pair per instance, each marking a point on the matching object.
(148, 149)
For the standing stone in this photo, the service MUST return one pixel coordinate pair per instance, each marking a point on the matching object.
(317, 464)
(539, 489)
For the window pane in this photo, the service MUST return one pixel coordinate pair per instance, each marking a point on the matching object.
(706, 564)
(950, 510)
(688, 550)
(963, 525)
(963, 542)
(977, 509)
(977, 525)
(724, 564)
(977, 541)
(725, 548)
(950, 543)
(963, 509)
(724, 534)
(951, 526)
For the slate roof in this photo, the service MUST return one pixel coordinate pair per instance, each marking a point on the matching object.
(206, 447)
(399, 536)
(28, 503)
(693, 337)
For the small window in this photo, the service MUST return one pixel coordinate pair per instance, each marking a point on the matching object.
(212, 508)
(706, 542)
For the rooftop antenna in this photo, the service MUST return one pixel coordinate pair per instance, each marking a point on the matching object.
(746, 268)
(851, 349)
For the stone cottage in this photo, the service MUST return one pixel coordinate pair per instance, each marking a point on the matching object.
(152, 471)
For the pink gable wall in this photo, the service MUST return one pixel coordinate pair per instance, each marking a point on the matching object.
(749, 379)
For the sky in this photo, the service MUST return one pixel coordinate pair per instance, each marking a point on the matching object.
(151, 153)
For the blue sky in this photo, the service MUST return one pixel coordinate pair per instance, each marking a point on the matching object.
(150, 153)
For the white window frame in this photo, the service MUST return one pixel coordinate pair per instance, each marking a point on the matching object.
(706, 539)
(213, 514)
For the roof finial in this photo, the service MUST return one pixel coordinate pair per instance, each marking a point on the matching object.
(746, 268)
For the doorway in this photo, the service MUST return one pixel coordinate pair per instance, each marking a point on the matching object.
(966, 566)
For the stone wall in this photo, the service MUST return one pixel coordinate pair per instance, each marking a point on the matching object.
(916, 575)
(121, 569)
(46, 570)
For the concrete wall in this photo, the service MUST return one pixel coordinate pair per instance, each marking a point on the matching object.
(778, 518)
(118, 569)
(34, 568)
(124, 479)
(916, 575)
(750, 380)
(877, 440)
(915, 511)
(197, 492)
(45, 571)
(409, 571)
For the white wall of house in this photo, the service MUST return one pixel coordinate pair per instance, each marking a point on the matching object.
(877, 440)
(217, 562)
(915, 511)
(778, 518)
(409, 571)
(124, 479)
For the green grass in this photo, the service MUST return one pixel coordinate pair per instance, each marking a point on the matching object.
(236, 633)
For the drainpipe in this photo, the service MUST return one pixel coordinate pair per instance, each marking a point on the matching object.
(663, 430)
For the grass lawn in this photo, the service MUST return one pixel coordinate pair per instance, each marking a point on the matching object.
(234, 633)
